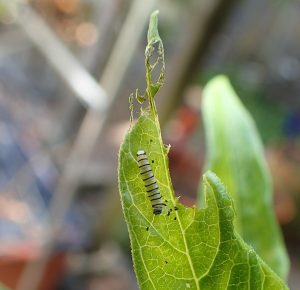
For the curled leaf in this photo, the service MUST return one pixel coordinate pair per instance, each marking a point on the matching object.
(154, 61)
(235, 153)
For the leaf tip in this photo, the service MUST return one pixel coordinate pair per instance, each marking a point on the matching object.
(219, 86)
(219, 80)
(221, 195)
(155, 13)
(153, 35)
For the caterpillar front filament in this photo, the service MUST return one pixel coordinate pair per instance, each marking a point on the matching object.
(150, 182)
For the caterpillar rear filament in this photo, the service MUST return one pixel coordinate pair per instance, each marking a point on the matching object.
(150, 182)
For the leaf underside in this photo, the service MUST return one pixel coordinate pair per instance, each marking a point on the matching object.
(182, 248)
(235, 153)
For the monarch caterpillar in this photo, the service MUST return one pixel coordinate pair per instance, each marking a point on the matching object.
(150, 182)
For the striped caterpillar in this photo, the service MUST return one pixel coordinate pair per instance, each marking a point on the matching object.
(150, 182)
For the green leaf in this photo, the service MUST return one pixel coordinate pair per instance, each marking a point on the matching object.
(235, 153)
(154, 62)
(2, 287)
(182, 248)
(197, 250)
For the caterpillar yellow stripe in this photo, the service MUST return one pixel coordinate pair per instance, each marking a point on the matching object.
(150, 182)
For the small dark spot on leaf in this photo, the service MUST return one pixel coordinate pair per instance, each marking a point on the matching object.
(175, 208)
(175, 218)
(166, 201)
(168, 213)
(166, 262)
(152, 161)
(170, 209)
(151, 140)
(147, 229)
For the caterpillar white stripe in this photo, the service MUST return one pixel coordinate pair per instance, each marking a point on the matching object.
(150, 182)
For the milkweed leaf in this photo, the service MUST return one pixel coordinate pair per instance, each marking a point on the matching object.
(235, 153)
(154, 62)
(182, 248)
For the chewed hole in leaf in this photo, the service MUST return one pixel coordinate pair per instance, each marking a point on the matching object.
(156, 73)
(155, 54)
(200, 244)
(155, 63)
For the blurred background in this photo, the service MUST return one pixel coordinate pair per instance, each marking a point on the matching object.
(67, 68)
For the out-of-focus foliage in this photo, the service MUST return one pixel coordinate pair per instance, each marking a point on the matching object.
(268, 113)
(2, 287)
(235, 154)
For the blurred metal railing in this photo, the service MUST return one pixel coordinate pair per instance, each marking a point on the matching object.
(99, 100)
(82, 84)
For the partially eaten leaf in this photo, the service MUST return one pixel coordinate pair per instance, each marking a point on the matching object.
(181, 248)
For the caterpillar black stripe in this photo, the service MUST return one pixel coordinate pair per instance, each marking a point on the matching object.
(150, 182)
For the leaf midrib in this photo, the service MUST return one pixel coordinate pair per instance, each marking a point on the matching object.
(187, 253)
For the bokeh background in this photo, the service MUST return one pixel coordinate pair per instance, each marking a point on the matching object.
(67, 68)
